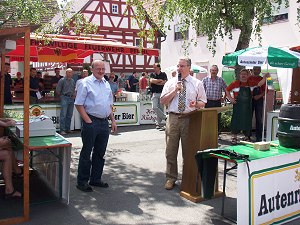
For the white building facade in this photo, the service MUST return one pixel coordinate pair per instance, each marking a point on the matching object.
(284, 31)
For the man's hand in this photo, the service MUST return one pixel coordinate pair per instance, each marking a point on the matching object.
(232, 100)
(193, 104)
(178, 86)
(113, 126)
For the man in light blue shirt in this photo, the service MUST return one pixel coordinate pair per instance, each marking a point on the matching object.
(94, 102)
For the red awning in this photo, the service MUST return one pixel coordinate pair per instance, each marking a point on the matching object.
(64, 48)
(296, 49)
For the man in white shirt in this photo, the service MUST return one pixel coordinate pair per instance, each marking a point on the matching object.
(182, 95)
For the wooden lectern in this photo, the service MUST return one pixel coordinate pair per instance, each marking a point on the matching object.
(203, 134)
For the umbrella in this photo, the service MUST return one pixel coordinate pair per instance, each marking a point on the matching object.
(258, 56)
(195, 68)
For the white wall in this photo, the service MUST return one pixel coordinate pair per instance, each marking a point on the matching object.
(281, 34)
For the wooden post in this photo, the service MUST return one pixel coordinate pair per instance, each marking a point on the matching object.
(2, 82)
(295, 90)
(26, 123)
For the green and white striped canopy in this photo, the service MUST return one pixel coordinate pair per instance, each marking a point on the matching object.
(259, 56)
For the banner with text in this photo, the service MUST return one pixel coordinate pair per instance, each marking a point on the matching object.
(272, 192)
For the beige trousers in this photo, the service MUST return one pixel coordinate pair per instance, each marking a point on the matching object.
(176, 130)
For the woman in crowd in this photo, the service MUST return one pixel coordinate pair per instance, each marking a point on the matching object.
(241, 119)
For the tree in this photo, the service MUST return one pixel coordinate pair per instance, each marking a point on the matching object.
(39, 12)
(214, 18)
(26, 12)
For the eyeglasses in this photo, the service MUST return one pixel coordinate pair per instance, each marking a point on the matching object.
(181, 66)
(99, 69)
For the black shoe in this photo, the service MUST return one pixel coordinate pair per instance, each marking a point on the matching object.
(99, 184)
(163, 128)
(84, 187)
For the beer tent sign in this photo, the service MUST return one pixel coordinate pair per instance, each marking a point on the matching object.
(67, 48)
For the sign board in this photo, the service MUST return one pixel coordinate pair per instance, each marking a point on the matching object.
(126, 113)
(271, 192)
(147, 114)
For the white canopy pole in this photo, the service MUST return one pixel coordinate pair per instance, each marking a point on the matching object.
(265, 105)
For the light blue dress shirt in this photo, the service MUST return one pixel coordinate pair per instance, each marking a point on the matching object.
(95, 96)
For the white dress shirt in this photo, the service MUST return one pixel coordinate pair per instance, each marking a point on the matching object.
(194, 92)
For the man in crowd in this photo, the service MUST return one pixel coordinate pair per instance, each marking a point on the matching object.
(122, 82)
(143, 83)
(7, 84)
(132, 82)
(34, 86)
(41, 80)
(174, 73)
(84, 74)
(56, 78)
(157, 81)
(258, 102)
(214, 85)
(113, 85)
(182, 97)
(94, 103)
(66, 90)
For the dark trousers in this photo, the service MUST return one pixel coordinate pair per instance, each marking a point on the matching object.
(94, 140)
(211, 104)
(257, 108)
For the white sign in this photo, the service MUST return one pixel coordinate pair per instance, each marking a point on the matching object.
(147, 114)
(126, 113)
(52, 111)
(272, 192)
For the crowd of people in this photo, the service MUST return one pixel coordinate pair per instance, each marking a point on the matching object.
(93, 98)
(181, 94)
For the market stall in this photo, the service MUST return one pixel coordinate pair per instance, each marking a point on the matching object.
(278, 170)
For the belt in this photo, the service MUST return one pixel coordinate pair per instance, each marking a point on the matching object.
(214, 100)
(177, 114)
(70, 96)
(96, 118)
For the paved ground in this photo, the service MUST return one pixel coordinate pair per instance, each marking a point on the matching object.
(134, 169)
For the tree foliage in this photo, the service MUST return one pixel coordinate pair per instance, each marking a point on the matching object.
(213, 18)
(40, 12)
(26, 12)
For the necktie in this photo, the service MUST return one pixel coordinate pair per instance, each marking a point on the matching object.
(182, 97)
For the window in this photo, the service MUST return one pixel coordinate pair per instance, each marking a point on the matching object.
(277, 18)
(138, 41)
(115, 9)
(180, 34)
(278, 14)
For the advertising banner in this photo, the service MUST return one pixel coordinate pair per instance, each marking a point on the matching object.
(271, 192)
(147, 114)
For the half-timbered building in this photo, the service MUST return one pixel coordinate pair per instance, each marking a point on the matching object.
(115, 20)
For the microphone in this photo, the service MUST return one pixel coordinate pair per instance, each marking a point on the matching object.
(179, 82)
(179, 77)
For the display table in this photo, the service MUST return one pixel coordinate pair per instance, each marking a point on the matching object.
(56, 151)
(267, 186)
